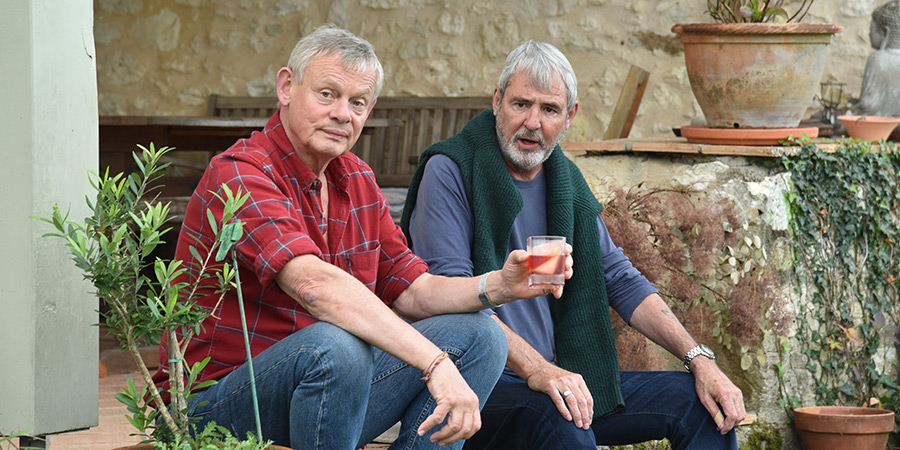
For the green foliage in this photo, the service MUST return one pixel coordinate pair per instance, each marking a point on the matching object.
(755, 11)
(662, 444)
(844, 219)
(763, 436)
(148, 298)
(214, 437)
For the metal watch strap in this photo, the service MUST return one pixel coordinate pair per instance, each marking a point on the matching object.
(698, 350)
(482, 292)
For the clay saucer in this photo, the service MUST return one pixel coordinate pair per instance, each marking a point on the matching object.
(744, 136)
(872, 128)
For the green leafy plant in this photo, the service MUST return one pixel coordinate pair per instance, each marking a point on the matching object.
(148, 297)
(754, 11)
(844, 209)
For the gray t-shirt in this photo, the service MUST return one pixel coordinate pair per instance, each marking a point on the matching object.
(441, 232)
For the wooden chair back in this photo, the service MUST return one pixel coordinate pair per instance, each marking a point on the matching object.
(227, 106)
(393, 151)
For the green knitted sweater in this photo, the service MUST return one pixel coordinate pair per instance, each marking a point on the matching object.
(582, 329)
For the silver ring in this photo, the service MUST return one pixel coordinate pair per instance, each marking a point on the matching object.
(567, 393)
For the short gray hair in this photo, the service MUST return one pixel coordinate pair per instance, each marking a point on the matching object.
(541, 61)
(356, 53)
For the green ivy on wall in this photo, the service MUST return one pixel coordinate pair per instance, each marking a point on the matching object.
(844, 214)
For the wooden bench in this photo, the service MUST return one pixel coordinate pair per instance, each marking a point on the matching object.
(401, 128)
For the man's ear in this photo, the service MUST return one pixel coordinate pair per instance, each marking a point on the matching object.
(283, 82)
(496, 103)
(571, 114)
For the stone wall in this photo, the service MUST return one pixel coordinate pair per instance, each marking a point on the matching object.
(754, 184)
(165, 57)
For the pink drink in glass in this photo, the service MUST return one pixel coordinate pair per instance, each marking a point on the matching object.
(546, 261)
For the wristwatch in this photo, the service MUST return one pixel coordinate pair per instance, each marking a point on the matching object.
(699, 350)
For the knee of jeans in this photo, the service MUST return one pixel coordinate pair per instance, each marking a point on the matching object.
(546, 425)
(347, 354)
(487, 334)
(495, 335)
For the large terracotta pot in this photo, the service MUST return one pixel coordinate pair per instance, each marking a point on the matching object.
(755, 75)
(843, 428)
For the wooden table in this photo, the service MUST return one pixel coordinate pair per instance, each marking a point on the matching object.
(119, 136)
(122, 133)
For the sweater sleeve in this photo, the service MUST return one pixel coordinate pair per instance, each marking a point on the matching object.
(440, 225)
(626, 287)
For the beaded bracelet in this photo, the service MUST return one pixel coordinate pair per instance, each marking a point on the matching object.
(426, 375)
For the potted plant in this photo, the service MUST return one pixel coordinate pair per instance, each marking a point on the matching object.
(858, 427)
(144, 297)
(756, 67)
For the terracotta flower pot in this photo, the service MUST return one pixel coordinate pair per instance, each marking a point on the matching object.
(842, 428)
(872, 128)
(755, 75)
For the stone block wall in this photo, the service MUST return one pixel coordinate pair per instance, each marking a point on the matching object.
(756, 185)
(165, 57)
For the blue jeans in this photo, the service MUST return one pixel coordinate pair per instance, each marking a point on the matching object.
(657, 405)
(323, 388)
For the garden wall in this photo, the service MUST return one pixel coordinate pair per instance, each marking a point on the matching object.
(757, 187)
(762, 337)
(165, 57)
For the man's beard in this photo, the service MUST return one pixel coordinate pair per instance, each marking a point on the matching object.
(520, 159)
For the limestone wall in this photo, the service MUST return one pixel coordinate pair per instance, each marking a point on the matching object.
(164, 57)
(757, 186)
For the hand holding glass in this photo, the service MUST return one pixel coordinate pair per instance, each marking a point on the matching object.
(546, 261)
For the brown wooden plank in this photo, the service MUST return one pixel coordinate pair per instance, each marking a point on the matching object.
(478, 103)
(231, 106)
(436, 125)
(680, 145)
(628, 103)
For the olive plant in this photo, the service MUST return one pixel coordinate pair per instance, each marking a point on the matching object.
(147, 297)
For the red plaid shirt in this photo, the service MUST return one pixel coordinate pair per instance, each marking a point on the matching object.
(282, 220)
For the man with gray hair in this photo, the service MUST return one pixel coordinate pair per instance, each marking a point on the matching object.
(504, 178)
(327, 280)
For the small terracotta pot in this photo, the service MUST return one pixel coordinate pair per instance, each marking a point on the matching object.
(841, 427)
(871, 128)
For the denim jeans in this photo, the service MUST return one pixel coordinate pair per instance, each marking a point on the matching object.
(323, 388)
(657, 405)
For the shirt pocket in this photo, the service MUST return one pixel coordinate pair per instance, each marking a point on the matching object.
(362, 264)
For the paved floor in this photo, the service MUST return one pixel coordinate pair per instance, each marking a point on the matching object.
(114, 428)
